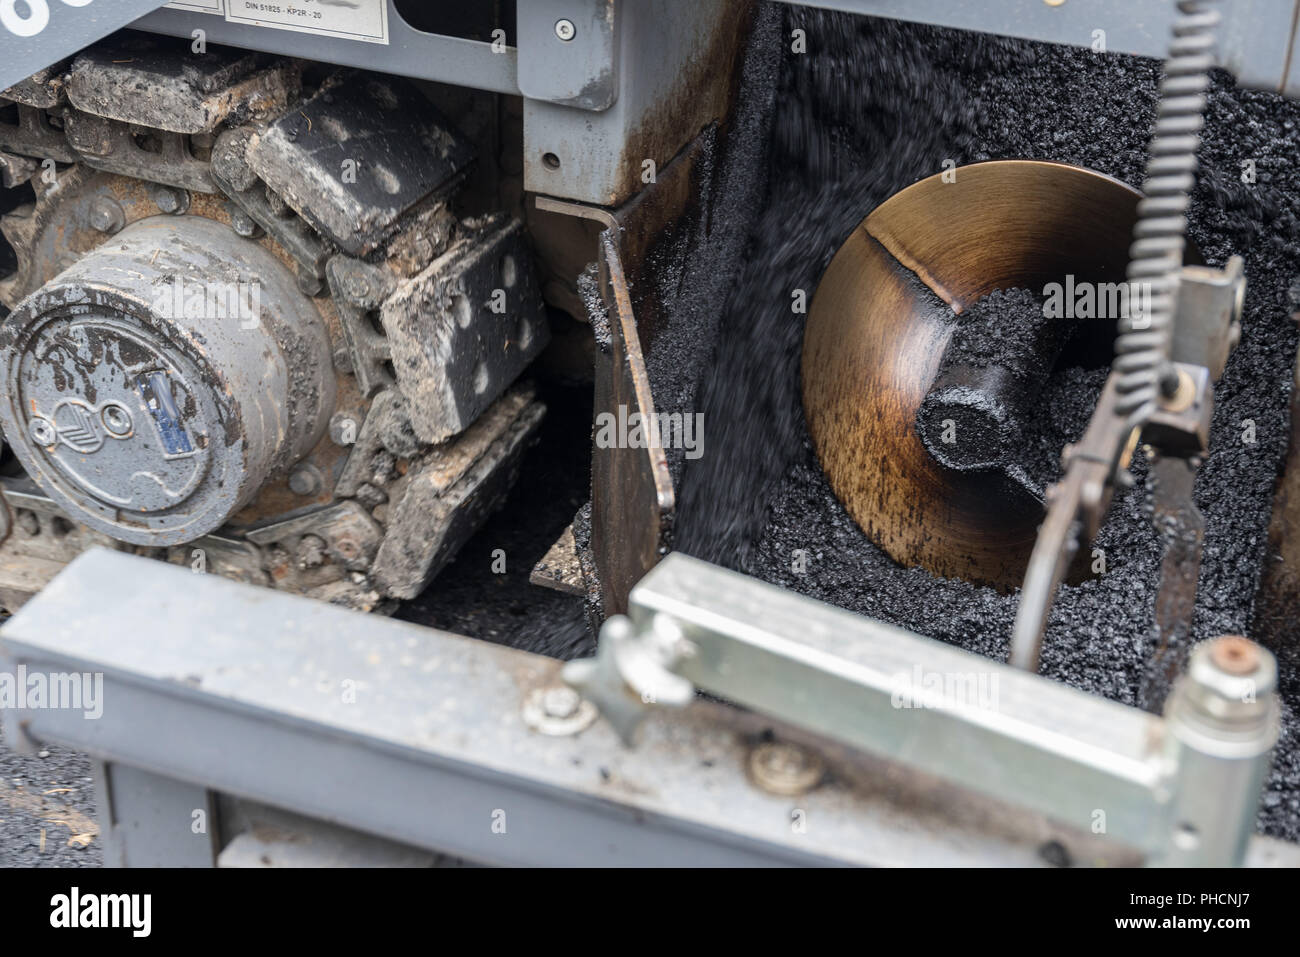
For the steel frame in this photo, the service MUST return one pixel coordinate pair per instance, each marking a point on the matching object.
(213, 688)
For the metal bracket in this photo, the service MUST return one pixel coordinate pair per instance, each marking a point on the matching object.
(1014, 735)
(568, 52)
(1207, 326)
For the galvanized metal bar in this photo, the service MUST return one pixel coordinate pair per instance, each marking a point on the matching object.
(417, 736)
(1014, 735)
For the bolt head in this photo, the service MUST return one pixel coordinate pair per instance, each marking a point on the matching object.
(117, 420)
(561, 702)
(1235, 655)
(565, 30)
(1229, 685)
(787, 769)
(305, 480)
(557, 711)
(243, 224)
(309, 284)
(343, 428)
(174, 202)
(106, 216)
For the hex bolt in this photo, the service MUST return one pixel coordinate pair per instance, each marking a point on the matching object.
(310, 284)
(106, 215)
(561, 702)
(306, 479)
(343, 428)
(1221, 722)
(243, 224)
(565, 30)
(170, 200)
(779, 767)
(1228, 684)
(557, 711)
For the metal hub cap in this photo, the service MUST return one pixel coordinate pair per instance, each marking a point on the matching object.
(153, 387)
(128, 428)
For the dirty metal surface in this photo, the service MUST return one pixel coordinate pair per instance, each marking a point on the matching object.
(578, 69)
(33, 133)
(52, 233)
(307, 541)
(112, 146)
(15, 170)
(874, 345)
(234, 176)
(447, 494)
(1277, 603)
(358, 288)
(163, 85)
(670, 212)
(632, 493)
(386, 427)
(463, 329)
(44, 89)
(678, 64)
(261, 715)
(1181, 528)
(360, 153)
(560, 568)
(39, 541)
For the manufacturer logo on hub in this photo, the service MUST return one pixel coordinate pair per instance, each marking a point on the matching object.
(81, 426)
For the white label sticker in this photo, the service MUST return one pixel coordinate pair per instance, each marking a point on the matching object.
(365, 20)
(199, 6)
